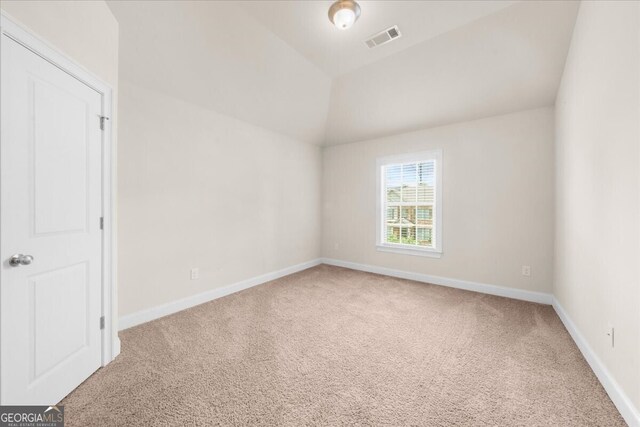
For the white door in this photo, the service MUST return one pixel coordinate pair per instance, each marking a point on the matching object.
(50, 194)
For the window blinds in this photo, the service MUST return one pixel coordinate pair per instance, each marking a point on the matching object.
(409, 203)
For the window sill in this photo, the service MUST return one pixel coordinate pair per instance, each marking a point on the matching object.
(430, 253)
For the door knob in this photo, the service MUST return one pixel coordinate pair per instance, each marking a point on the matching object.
(20, 259)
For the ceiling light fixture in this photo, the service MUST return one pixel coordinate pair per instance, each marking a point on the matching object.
(344, 13)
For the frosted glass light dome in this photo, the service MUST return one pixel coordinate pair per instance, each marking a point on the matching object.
(344, 13)
(344, 18)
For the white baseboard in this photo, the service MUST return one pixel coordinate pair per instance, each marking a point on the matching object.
(157, 312)
(628, 411)
(519, 294)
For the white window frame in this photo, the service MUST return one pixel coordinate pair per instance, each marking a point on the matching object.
(381, 206)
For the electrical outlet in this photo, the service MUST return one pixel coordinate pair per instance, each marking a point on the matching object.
(611, 333)
(195, 273)
(336, 246)
(526, 270)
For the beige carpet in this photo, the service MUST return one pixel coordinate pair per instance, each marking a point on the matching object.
(331, 346)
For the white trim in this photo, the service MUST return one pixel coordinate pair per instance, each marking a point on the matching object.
(624, 404)
(27, 38)
(381, 206)
(408, 250)
(38, 45)
(159, 311)
(520, 294)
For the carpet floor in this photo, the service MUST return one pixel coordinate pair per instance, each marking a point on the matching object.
(331, 346)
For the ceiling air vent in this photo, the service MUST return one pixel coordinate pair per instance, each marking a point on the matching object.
(383, 37)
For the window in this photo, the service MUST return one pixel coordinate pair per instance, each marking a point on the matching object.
(409, 204)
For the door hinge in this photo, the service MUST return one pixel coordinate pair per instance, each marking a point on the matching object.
(102, 120)
(102, 322)
(101, 223)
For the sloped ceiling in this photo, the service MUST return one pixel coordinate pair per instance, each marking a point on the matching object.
(508, 61)
(211, 54)
(304, 25)
(283, 66)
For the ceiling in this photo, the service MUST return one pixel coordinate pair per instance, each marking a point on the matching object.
(509, 61)
(211, 54)
(304, 26)
(283, 66)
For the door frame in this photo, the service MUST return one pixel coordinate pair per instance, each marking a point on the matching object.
(10, 27)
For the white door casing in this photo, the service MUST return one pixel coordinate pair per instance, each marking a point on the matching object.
(52, 196)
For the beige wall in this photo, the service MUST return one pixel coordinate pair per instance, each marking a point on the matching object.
(198, 185)
(86, 32)
(497, 192)
(200, 189)
(597, 264)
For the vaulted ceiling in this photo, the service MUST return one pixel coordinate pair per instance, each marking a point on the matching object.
(283, 66)
(305, 27)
